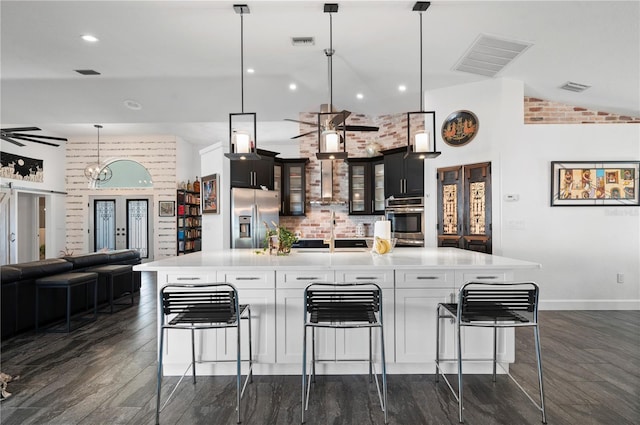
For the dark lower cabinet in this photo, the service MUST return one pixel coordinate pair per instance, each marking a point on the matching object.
(254, 173)
(402, 176)
(464, 207)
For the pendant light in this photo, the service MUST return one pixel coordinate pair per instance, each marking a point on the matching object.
(419, 142)
(329, 138)
(97, 172)
(242, 126)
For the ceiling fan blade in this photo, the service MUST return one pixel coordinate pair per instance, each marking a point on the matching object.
(359, 128)
(303, 134)
(315, 124)
(339, 118)
(9, 130)
(34, 140)
(40, 137)
(6, 139)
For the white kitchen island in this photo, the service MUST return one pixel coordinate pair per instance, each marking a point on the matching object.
(413, 280)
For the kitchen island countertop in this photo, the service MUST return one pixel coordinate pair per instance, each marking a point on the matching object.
(354, 259)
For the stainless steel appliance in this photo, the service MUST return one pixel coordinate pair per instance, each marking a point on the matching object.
(407, 220)
(250, 209)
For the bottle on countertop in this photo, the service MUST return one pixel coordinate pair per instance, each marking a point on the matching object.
(196, 185)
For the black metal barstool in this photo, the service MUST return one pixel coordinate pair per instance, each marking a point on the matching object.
(200, 307)
(344, 306)
(491, 305)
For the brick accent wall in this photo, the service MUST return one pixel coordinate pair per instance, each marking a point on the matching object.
(539, 111)
(157, 154)
(392, 134)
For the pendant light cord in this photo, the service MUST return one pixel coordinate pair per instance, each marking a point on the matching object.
(242, 62)
(98, 127)
(329, 52)
(421, 95)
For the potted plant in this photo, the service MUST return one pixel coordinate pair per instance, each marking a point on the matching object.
(279, 239)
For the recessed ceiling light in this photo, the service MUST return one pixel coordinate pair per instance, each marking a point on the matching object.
(360, 96)
(132, 104)
(250, 70)
(402, 87)
(293, 86)
(89, 38)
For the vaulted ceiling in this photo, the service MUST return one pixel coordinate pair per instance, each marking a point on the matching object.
(180, 60)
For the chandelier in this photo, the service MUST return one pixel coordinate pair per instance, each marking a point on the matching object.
(97, 172)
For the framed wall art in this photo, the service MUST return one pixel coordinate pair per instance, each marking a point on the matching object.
(459, 128)
(167, 208)
(598, 183)
(209, 194)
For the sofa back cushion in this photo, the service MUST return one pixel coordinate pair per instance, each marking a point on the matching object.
(36, 269)
(91, 259)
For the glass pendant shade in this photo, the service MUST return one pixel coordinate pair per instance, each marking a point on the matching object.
(421, 142)
(329, 140)
(242, 142)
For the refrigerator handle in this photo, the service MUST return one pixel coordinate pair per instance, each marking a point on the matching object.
(256, 224)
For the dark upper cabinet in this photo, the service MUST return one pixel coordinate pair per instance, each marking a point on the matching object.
(290, 181)
(254, 173)
(366, 186)
(402, 176)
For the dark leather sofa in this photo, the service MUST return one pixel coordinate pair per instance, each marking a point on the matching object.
(18, 288)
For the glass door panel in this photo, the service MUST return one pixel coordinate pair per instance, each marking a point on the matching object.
(358, 172)
(296, 190)
(378, 187)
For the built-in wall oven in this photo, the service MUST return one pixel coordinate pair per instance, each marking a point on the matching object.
(407, 220)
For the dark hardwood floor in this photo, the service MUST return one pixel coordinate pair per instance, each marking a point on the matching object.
(104, 373)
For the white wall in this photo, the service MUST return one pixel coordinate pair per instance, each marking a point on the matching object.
(54, 169)
(581, 249)
(216, 227)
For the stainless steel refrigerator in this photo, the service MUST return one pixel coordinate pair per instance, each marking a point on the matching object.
(250, 209)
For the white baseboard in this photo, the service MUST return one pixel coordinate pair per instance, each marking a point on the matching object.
(590, 305)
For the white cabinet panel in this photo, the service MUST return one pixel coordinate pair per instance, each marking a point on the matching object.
(416, 313)
(425, 279)
(249, 279)
(352, 344)
(300, 279)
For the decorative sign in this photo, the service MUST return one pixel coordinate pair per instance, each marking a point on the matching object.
(20, 167)
(579, 183)
(459, 128)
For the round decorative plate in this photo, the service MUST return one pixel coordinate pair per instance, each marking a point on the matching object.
(459, 128)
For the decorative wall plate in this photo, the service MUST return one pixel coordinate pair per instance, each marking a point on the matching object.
(459, 128)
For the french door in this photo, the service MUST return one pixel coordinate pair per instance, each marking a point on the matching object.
(120, 222)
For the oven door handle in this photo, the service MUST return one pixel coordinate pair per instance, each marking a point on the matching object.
(405, 210)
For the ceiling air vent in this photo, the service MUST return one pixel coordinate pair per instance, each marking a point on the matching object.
(303, 41)
(488, 55)
(575, 87)
(87, 72)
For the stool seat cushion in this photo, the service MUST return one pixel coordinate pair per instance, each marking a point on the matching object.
(66, 279)
(40, 268)
(10, 274)
(111, 268)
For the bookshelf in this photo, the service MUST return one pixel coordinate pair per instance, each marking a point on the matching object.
(189, 231)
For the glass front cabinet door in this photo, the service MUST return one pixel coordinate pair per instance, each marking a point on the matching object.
(366, 186)
(293, 189)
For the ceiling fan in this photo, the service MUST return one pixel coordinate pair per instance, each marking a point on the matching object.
(14, 135)
(334, 121)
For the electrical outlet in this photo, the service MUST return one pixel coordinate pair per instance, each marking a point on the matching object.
(620, 277)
